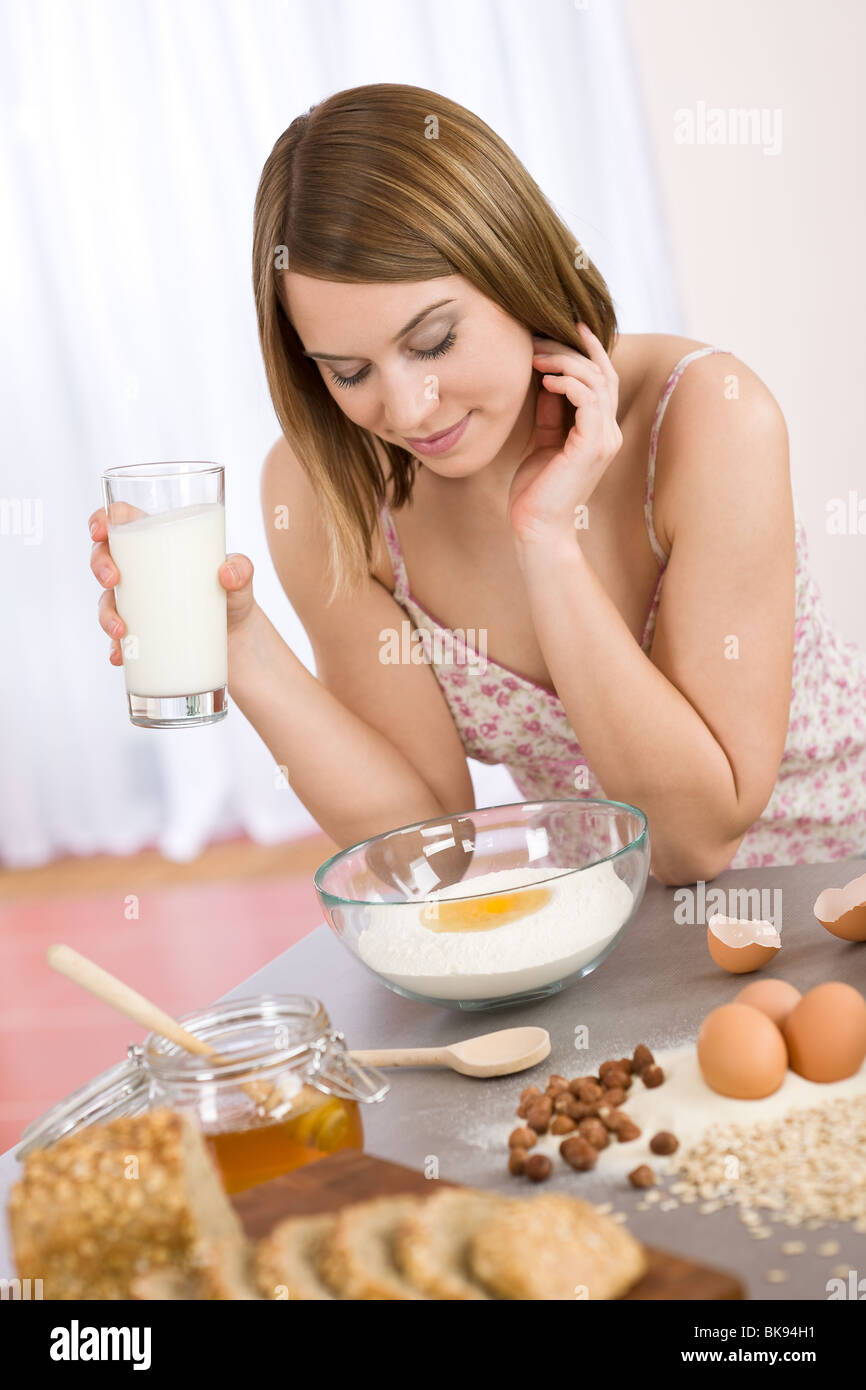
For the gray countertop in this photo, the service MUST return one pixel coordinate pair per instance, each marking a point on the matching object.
(655, 987)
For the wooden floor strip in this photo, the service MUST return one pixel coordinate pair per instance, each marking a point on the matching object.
(235, 859)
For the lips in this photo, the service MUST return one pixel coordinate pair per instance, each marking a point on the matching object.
(440, 434)
(443, 440)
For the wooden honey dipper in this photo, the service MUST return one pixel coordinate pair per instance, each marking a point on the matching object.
(112, 991)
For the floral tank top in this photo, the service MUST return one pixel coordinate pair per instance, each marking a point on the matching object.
(817, 811)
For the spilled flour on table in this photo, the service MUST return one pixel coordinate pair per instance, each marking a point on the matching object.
(683, 1104)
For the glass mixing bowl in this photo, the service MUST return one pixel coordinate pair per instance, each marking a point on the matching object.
(491, 907)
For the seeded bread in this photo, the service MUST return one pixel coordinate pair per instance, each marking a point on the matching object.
(357, 1257)
(115, 1201)
(555, 1247)
(432, 1243)
(287, 1259)
(219, 1271)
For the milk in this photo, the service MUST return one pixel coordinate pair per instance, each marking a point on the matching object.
(171, 600)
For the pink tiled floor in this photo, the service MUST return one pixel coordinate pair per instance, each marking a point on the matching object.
(190, 944)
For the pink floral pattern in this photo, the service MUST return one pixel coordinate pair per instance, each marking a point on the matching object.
(817, 811)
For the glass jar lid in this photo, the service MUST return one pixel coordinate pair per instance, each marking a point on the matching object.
(258, 1038)
(121, 1090)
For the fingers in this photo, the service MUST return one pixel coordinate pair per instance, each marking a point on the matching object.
(101, 562)
(103, 566)
(97, 525)
(236, 573)
(568, 360)
(109, 619)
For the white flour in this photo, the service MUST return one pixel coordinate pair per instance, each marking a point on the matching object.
(584, 913)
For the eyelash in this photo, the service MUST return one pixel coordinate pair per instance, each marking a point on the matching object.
(443, 347)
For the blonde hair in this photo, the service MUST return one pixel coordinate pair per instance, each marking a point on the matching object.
(389, 183)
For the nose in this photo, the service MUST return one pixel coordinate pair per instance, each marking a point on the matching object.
(410, 403)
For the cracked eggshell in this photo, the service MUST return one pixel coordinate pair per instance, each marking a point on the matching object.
(741, 1052)
(842, 911)
(739, 946)
(826, 1032)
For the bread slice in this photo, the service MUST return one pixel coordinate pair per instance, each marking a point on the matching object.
(432, 1243)
(357, 1257)
(555, 1247)
(115, 1201)
(287, 1259)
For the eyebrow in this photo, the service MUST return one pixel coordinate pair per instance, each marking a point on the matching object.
(413, 323)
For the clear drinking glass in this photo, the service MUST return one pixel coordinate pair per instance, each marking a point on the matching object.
(166, 534)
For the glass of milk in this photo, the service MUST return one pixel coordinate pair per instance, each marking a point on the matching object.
(166, 534)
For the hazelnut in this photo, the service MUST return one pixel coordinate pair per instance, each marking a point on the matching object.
(579, 1153)
(589, 1091)
(615, 1096)
(562, 1102)
(517, 1161)
(576, 1082)
(594, 1132)
(607, 1114)
(626, 1065)
(642, 1176)
(562, 1124)
(664, 1142)
(616, 1120)
(616, 1080)
(528, 1097)
(522, 1138)
(538, 1167)
(652, 1076)
(625, 1133)
(577, 1110)
(605, 1067)
(556, 1084)
(642, 1058)
(538, 1116)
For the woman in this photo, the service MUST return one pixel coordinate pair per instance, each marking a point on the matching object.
(440, 351)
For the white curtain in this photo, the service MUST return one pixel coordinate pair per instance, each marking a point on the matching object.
(133, 135)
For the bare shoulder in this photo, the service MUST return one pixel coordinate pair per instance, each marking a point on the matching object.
(293, 524)
(719, 408)
(292, 513)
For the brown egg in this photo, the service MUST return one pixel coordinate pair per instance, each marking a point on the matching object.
(826, 1032)
(741, 1052)
(843, 910)
(775, 998)
(740, 946)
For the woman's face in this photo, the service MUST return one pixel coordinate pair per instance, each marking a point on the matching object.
(411, 360)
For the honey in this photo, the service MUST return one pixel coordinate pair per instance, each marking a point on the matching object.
(258, 1153)
(277, 1091)
(482, 914)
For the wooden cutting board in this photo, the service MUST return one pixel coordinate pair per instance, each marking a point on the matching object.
(351, 1176)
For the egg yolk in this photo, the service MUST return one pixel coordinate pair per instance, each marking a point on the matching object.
(482, 914)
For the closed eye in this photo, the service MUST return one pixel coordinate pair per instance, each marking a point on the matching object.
(439, 351)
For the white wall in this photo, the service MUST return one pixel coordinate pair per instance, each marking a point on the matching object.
(768, 248)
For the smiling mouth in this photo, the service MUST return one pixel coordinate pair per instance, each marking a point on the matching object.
(440, 434)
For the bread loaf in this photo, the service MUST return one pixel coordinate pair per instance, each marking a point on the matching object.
(115, 1201)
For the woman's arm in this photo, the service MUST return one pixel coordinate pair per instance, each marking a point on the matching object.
(366, 745)
(695, 735)
(353, 781)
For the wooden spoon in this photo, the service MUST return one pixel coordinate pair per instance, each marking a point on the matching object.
(491, 1054)
(127, 1001)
